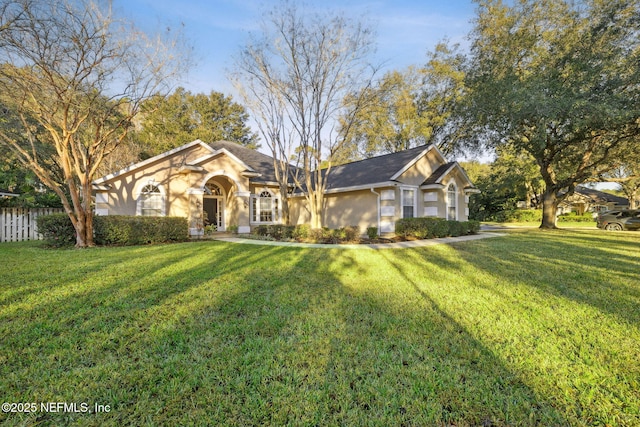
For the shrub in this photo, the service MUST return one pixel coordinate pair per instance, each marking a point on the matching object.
(428, 227)
(260, 230)
(372, 233)
(473, 227)
(56, 229)
(352, 233)
(574, 217)
(301, 231)
(233, 229)
(277, 231)
(139, 230)
(522, 215)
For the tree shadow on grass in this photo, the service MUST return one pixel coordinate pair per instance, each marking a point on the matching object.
(569, 266)
(553, 311)
(251, 335)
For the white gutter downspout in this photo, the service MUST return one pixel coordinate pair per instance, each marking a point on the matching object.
(378, 198)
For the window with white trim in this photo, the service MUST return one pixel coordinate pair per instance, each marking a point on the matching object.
(212, 189)
(265, 208)
(408, 203)
(451, 201)
(150, 201)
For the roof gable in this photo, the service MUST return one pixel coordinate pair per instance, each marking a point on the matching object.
(149, 161)
(377, 169)
(250, 160)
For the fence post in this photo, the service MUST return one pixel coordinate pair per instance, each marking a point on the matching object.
(20, 224)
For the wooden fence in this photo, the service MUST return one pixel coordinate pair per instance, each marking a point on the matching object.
(19, 224)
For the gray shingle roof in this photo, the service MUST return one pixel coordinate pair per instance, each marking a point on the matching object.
(365, 172)
(257, 161)
(373, 170)
(438, 173)
(600, 196)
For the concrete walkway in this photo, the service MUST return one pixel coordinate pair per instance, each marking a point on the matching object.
(375, 246)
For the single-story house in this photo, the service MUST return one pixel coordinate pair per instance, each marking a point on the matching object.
(585, 199)
(226, 184)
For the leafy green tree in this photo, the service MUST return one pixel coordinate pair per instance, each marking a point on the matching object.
(625, 172)
(406, 109)
(168, 122)
(390, 121)
(16, 177)
(558, 80)
(512, 178)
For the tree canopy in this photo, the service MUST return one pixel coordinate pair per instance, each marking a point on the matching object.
(73, 76)
(405, 109)
(167, 122)
(559, 80)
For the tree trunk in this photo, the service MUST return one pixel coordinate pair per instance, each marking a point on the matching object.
(631, 195)
(286, 215)
(549, 209)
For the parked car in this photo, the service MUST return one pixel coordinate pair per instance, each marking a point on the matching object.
(622, 219)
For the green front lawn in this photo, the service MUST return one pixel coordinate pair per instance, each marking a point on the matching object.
(535, 328)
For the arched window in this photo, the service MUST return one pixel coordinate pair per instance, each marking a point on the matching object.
(212, 189)
(150, 201)
(265, 208)
(452, 198)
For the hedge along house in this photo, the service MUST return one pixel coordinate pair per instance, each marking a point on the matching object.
(225, 184)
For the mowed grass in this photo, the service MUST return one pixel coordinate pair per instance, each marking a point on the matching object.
(534, 328)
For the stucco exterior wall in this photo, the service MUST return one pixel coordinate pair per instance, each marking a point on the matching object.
(182, 189)
(165, 172)
(354, 208)
(418, 172)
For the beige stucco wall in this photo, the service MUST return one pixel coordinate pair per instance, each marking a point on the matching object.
(183, 193)
(420, 170)
(354, 208)
(182, 190)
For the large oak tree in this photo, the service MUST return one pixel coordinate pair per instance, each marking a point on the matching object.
(559, 80)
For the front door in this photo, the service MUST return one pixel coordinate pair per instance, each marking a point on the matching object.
(213, 212)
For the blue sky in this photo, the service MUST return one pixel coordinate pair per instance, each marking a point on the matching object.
(217, 29)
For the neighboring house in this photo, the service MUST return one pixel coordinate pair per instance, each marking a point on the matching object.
(586, 199)
(7, 194)
(225, 184)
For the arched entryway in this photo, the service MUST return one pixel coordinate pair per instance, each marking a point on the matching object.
(213, 205)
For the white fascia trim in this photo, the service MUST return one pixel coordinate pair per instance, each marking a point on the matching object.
(362, 187)
(148, 161)
(453, 166)
(218, 152)
(471, 191)
(432, 187)
(101, 187)
(446, 172)
(418, 157)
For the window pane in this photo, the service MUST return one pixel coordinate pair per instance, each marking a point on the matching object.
(451, 202)
(407, 203)
(150, 201)
(407, 211)
(254, 209)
